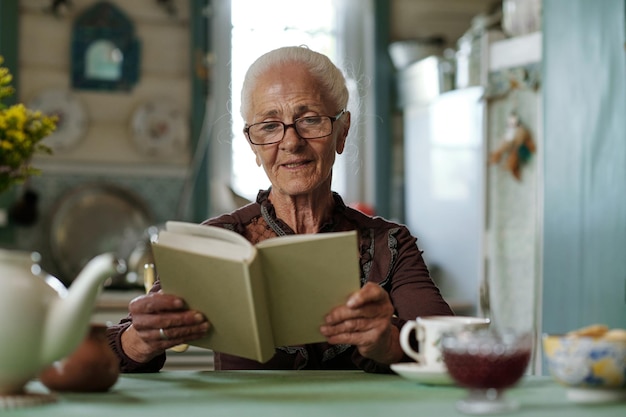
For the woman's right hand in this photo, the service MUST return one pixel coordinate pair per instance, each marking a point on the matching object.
(160, 321)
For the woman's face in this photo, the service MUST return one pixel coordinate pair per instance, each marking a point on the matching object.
(295, 166)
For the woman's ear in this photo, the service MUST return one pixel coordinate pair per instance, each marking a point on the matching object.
(256, 154)
(341, 138)
(254, 149)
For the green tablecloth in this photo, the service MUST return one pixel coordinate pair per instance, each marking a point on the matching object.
(295, 393)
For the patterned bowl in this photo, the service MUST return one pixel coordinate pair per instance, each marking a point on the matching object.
(593, 369)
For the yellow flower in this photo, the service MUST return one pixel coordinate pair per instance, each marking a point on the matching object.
(21, 133)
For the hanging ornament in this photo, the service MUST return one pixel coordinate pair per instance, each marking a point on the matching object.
(517, 145)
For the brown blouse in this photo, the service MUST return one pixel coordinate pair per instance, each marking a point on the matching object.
(389, 256)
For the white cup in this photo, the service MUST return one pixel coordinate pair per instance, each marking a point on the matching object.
(428, 331)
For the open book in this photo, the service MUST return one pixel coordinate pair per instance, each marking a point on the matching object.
(257, 297)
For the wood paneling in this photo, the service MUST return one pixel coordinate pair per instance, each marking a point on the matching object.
(44, 61)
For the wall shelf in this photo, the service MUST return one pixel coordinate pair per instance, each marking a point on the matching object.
(515, 52)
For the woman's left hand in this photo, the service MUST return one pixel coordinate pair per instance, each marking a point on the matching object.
(365, 322)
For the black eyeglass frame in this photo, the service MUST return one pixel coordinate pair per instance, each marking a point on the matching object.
(333, 119)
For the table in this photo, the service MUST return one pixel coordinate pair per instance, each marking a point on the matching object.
(294, 393)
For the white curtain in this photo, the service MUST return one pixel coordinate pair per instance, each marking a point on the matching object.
(218, 107)
(355, 26)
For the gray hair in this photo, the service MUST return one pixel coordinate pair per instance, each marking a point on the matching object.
(321, 68)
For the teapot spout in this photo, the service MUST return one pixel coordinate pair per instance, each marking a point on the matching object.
(68, 317)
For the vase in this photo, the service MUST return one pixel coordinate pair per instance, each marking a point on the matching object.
(92, 367)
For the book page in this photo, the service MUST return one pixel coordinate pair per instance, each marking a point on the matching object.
(291, 239)
(213, 232)
(231, 294)
(307, 277)
(206, 245)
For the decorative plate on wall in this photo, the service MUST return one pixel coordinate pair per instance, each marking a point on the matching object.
(159, 129)
(72, 115)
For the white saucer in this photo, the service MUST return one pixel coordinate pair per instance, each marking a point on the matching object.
(418, 373)
(595, 395)
(25, 400)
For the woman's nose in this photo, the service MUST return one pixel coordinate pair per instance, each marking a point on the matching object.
(291, 138)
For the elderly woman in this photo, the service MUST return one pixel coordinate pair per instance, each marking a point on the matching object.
(294, 105)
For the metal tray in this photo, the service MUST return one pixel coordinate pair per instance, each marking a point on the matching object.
(92, 219)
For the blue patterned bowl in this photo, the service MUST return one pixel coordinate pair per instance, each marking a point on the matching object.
(592, 369)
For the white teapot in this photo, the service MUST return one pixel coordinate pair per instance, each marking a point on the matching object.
(39, 325)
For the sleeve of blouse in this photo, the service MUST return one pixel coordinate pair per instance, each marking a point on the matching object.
(411, 289)
(114, 338)
(127, 365)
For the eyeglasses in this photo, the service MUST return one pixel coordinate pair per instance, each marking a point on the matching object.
(312, 127)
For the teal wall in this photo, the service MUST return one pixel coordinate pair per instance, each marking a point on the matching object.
(383, 86)
(8, 40)
(200, 42)
(584, 253)
(9, 51)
